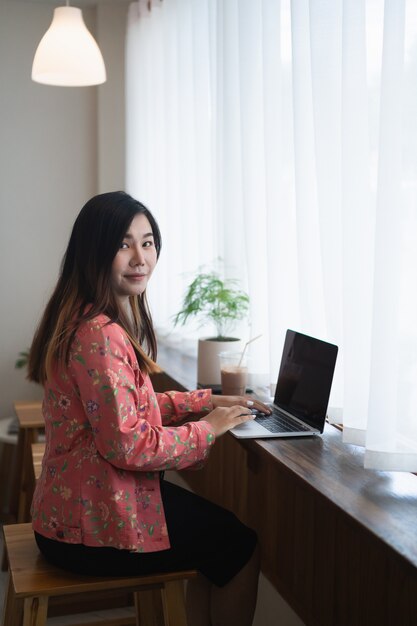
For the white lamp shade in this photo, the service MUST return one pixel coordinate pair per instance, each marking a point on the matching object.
(68, 54)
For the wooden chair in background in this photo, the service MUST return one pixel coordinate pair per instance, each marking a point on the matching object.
(8, 450)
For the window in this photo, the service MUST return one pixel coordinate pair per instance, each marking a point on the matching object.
(281, 137)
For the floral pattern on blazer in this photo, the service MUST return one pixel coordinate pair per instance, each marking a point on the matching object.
(108, 436)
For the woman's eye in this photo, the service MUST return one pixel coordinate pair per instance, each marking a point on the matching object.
(147, 244)
(123, 245)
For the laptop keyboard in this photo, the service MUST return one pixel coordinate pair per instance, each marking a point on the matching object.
(280, 423)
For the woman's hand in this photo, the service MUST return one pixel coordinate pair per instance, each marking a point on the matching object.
(245, 401)
(224, 418)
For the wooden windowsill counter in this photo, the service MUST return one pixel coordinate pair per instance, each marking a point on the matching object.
(338, 542)
(385, 503)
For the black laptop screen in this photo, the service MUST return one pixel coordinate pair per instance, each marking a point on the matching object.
(305, 378)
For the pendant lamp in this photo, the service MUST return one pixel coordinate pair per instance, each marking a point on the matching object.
(68, 54)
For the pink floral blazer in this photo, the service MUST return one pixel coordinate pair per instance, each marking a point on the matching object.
(108, 435)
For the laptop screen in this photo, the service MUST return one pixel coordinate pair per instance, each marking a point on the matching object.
(305, 378)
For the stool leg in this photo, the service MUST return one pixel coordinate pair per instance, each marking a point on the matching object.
(149, 609)
(7, 458)
(13, 607)
(174, 604)
(4, 561)
(35, 611)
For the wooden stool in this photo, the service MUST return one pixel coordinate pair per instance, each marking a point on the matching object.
(38, 450)
(7, 462)
(8, 446)
(31, 423)
(159, 598)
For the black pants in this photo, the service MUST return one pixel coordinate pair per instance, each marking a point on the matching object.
(203, 536)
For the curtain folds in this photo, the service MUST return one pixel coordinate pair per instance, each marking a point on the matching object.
(280, 137)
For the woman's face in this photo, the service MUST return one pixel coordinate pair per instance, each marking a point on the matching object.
(135, 261)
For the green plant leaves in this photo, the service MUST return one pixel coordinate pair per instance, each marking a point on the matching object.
(210, 298)
(22, 360)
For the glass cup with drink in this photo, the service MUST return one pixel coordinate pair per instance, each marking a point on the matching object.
(234, 373)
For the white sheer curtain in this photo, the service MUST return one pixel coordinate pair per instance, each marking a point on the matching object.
(281, 137)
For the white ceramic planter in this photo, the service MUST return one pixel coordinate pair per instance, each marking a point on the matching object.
(208, 364)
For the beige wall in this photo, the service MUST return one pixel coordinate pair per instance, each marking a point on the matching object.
(58, 147)
(111, 28)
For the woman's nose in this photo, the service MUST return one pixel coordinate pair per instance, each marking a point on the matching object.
(138, 258)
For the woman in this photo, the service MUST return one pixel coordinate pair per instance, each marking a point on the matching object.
(101, 505)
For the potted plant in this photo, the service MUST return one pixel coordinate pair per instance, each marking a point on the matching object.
(211, 299)
(22, 359)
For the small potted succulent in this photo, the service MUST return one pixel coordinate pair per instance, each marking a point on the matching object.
(219, 302)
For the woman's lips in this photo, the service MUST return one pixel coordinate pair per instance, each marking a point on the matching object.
(135, 276)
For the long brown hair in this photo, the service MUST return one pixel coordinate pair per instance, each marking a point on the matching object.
(83, 290)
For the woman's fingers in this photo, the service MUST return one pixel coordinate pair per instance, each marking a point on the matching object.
(243, 417)
(223, 419)
(249, 401)
(259, 406)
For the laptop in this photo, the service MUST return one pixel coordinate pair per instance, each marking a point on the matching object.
(302, 392)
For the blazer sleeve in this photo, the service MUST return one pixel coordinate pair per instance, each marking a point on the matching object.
(124, 416)
(176, 405)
